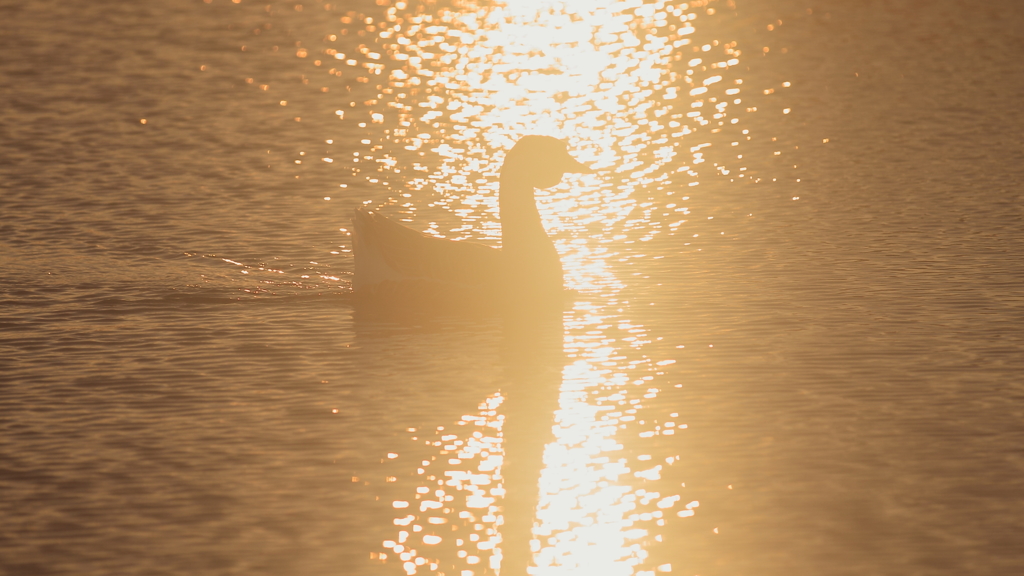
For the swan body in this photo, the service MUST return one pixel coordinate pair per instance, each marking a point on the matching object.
(400, 265)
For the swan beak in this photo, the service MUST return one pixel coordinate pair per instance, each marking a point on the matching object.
(575, 167)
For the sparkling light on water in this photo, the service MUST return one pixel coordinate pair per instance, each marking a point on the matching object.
(607, 76)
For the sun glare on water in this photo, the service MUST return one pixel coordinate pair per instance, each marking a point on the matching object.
(632, 91)
(623, 81)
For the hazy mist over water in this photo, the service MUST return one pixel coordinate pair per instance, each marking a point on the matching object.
(797, 343)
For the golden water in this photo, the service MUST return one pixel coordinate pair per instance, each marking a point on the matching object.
(795, 347)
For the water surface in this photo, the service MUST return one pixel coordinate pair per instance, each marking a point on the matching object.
(796, 345)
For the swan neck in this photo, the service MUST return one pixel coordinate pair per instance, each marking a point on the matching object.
(518, 211)
(531, 259)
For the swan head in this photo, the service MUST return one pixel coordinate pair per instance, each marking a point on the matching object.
(540, 161)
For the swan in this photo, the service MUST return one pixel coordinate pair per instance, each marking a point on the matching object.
(398, 265)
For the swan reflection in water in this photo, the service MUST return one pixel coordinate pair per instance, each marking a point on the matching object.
(399, 269)
(477, 487)
(517, 491)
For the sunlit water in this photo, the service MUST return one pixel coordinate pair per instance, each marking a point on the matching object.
(796, 346)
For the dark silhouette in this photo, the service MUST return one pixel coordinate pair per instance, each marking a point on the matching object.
(399, 267)
(399, 270)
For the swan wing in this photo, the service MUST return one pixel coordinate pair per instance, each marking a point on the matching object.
(386, 250)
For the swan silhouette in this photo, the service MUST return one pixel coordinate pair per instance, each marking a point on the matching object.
(398, 265)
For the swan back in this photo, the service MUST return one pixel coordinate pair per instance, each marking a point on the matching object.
(388, 254)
